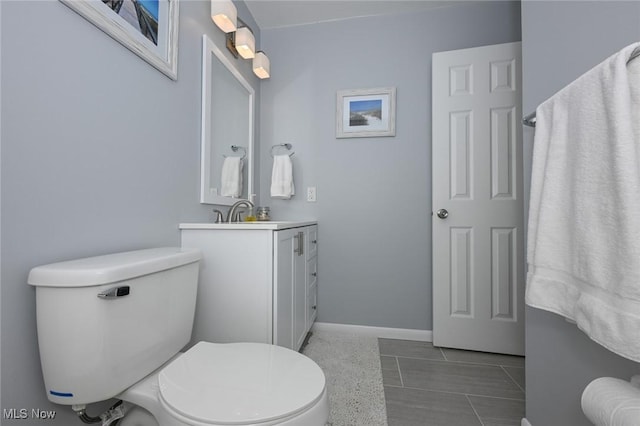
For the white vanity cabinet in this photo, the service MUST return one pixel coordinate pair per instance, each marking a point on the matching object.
(258, 281)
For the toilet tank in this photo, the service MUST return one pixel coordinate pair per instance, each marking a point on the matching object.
(106, 322)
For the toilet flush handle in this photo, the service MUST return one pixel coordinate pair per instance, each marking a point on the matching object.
(115, 292)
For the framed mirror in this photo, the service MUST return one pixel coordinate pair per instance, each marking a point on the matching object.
(227, 129)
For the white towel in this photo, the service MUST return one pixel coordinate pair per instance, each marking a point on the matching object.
(231, 178)
(282, 177)
(583, 245)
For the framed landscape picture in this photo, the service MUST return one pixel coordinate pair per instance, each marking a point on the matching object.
(149, 28)
(366, 113)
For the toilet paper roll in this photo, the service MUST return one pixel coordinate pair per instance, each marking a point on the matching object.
(607, 401)
(627, 415)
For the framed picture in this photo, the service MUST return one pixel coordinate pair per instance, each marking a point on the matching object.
(366, 113)
(149, 28)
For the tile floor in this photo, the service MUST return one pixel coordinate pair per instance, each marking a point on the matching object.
(429, 386)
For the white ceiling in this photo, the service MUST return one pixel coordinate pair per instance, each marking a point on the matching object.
(286, 13)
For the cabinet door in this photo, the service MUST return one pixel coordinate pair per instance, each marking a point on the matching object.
(290, 298)
(286, 243)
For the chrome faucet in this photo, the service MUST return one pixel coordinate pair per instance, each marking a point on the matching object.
(233, 211)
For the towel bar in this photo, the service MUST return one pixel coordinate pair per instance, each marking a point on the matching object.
(530, 119)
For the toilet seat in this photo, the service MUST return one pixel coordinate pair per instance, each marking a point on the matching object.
(240, 384)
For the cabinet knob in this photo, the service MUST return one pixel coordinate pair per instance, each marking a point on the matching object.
(314, 241)
(314, 274)
(314, 307)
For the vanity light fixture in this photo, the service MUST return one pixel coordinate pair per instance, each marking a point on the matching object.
(224, 14)
(240, 38)
(245, 43)
(261, 65)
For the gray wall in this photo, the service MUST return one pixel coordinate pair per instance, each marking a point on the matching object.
(374, 194)
(100, 153)
(561, 41)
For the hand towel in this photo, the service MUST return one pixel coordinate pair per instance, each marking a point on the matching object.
(231, 178)
(583, 248)
(282, 177)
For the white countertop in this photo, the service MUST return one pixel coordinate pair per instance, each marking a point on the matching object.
(272, 225)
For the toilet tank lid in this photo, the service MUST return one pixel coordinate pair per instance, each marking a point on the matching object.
(98, 270)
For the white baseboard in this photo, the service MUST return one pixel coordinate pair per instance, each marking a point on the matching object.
(383, 332)
(525, 422)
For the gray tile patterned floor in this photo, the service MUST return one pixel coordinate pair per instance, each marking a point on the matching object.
(429, 386)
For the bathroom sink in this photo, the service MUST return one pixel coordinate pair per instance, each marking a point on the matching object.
(272, 224)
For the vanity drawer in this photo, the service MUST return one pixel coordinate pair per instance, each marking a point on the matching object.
(312, 272)
(312, 241)
(312, 305)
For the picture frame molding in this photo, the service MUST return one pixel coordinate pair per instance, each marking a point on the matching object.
(341, 95)
(92, 11)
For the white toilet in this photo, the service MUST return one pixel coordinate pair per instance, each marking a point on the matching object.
(113, 327)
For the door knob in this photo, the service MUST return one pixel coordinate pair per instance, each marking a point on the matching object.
(442, 213)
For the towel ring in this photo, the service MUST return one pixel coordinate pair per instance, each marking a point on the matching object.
(235, 148)
(284, 145)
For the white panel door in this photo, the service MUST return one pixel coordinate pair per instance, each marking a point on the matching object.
(478, 265)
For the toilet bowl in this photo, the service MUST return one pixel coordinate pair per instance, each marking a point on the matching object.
(113, 327)
(232, 384)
